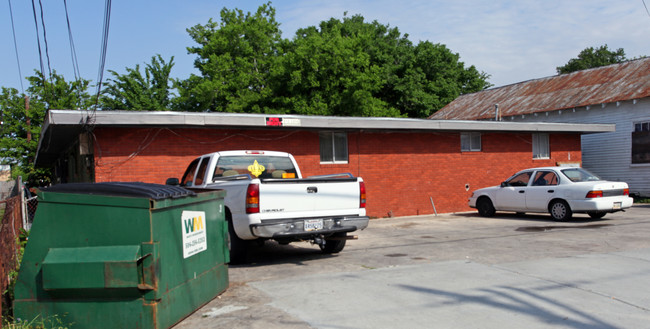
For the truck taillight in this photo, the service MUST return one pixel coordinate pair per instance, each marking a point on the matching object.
(626, 191)
(594, 194)
(362, 195)
(253, 199)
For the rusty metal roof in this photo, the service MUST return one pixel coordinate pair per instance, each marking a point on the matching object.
(607, 84)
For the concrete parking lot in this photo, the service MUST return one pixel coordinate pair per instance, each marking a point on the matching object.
(450, 271)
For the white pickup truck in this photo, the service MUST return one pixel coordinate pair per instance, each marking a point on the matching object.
(267, 198)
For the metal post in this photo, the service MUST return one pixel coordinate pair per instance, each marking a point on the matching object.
(434, 206)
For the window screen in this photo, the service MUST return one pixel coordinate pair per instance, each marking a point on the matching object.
(333, 147)
(540, 146)
(470, 142)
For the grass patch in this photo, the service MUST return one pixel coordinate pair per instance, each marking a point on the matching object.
(52, 322)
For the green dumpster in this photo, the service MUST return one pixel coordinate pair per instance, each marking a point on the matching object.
(123, 255)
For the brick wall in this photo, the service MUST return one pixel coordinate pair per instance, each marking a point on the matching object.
(403, 171)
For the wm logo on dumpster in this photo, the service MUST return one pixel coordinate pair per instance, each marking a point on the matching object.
(193, 230)
(193, 224)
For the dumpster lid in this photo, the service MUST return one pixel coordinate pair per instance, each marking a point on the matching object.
(129, 189)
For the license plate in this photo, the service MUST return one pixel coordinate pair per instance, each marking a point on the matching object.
(313, 224)
(617, 205)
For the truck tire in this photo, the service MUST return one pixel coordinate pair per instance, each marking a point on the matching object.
(333, 246)
(238, 247)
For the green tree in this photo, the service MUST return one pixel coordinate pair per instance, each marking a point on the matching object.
(136, 92)
(351, 67)
(235, 58)
(20, 129)
(345, 67)
(339, 68)
(593, 57)
(433, 77)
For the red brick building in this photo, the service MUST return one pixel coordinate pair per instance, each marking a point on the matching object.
(410, 166)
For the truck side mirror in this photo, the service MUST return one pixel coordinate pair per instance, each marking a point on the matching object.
(172, 181)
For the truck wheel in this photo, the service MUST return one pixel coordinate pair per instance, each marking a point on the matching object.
(333, 246)
(238, 247)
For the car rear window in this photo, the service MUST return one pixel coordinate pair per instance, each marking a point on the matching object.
(579, 175)
(256, 166)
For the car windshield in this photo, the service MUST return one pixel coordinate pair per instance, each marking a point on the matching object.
(579, 175)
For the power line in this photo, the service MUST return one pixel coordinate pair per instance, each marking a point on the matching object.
(47, 52)
(646, 7)
(73, 54)
(102, 56)
(38, 41)
(13, 30)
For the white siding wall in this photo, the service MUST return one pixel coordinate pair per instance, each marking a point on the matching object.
(608, 155)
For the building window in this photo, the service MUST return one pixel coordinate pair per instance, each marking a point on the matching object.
(333, 147)
(470, 142)
(641, 143)
(540, 146)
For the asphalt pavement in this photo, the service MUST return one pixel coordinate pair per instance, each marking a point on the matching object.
(450, 271)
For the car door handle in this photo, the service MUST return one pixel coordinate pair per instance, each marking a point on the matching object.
(312, 189)
(522, 191)
(550, 191)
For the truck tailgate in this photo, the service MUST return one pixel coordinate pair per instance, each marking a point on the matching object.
(309, 198)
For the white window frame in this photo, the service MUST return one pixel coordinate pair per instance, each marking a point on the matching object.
(328, 139)
(541, 147)
(470, 142)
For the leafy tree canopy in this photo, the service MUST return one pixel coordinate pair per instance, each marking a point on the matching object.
(593, 57)
(235, 57)
(346, 67)
(136, 92)
(20, 128)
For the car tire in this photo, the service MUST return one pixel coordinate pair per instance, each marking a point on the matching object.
(333, 246)
(485, 207)
(238, 247)
(597, 214)
(560, 210)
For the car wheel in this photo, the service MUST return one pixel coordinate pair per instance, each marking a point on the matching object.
(560, 210)
(597, 214)
(485, 207)
(237, 246)
(333, 246)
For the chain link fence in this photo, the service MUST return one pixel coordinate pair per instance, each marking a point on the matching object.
(17, 212)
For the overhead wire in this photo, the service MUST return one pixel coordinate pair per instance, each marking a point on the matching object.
(13, 30)
(102, 56)
(73, 54)
(47, 52)
(646, 7)
(38, 41)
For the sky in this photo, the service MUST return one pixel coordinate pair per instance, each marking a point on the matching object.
(511, 40)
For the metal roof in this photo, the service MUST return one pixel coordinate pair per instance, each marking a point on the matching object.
(608, 84)
(61, 128)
